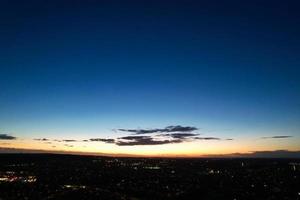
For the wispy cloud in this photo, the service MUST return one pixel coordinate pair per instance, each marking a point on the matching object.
(277, 137)
(102, 140)
(180, 128)
(7, 137)
(180, 135)
(134, 137)
(69, 140)
(167, 129)
(41, 139)
(207, 138)
(55, 140)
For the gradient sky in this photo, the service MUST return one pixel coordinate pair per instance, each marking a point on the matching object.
(83, 69)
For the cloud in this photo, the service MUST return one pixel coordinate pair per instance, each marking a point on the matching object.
(102, 140)
(143, 140)
(7, 137)
(208, 138)
(167, 129)
(55, 140)
(180, 135)
(277, 137)
(166, 138)
(69, 140)
(41, 139)
(180, 128)
(134, 137)
(140, 131)
(177, 133)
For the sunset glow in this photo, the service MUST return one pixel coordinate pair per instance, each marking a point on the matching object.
(149, 79)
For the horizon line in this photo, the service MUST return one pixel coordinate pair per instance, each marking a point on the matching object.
(253, 154)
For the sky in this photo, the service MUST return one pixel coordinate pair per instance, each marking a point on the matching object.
(165, 78)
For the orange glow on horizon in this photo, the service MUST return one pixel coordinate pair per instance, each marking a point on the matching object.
(186, 149)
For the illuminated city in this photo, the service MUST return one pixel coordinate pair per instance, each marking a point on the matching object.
(93, 177)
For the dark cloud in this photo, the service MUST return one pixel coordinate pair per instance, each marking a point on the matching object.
(144, 140)
(41, 139)
(102, 140)
(85, 140)
(69, 140)
(163, 139)
(207, 138)
(180, 129)
(67, 145)
(180, 135)
(134, 137)
(7, 137)
(141, 131)
(167, 129)
(277, 137)
(147, 142)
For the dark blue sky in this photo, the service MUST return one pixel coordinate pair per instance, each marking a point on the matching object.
(87, 67)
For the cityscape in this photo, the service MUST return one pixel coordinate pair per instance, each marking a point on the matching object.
(53, 176)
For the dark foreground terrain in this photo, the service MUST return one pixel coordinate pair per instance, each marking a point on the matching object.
(46, 176)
